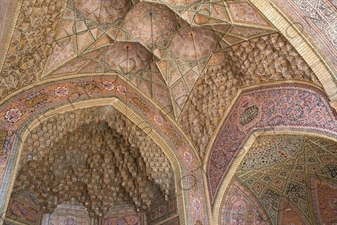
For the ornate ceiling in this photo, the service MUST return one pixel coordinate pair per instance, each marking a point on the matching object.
(96, 157)
(293, 178)
(190, 59)
(162, 47)
(265, 59)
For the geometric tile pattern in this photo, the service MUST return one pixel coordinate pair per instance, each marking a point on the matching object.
(88, 44)
(174, 51)
(240, 207)
(272, 173)
(175, 40)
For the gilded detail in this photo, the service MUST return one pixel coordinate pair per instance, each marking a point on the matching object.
(140, 104)
(3, 136)
(36, 99)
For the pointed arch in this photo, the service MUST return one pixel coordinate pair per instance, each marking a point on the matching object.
(31, 106)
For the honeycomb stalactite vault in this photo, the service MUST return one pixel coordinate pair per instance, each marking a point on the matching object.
(112, 92)
(100, 161)
(224, 77)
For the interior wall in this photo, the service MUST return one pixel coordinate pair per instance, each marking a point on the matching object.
(161, 209)
(68, 214)
(23, 209)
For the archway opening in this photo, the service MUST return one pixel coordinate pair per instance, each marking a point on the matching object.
(92, 166)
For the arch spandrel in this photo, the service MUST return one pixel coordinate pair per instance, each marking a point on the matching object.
(239, 205)
(33, 103)
(295, 107)
(296, 29)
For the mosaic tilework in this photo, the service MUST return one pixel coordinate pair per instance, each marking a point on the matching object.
(291, 215)
(266, 153)
(127, 219)
(324, 195)
(23, 208)
(163, 20)
(245, 13)
(240, 207)
(288, 106)
(123, 214)
(21, 211)
(161, 209)
(318, 20)
(285, 186)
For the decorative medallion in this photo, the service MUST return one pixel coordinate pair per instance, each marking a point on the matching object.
(188, 158)
(108, 85)
(151, 23)
(121, 90)
(159, 120)
(61, 91)
(13, 115)
(196, 205)
(126, 57)
(248, 115)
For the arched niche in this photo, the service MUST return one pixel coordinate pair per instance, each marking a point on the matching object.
(300, 176)
(61, 96)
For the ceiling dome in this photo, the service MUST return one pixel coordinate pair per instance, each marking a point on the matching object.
(193, 43)
(127, 57)
(150, 23)
(176, 3)
(103, 11)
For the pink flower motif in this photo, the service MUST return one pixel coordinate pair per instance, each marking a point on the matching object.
(121, 90)
(108, 85)
(13, 115)
(188, 157)
(61, 91)
(159, 120)
(196, 204)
